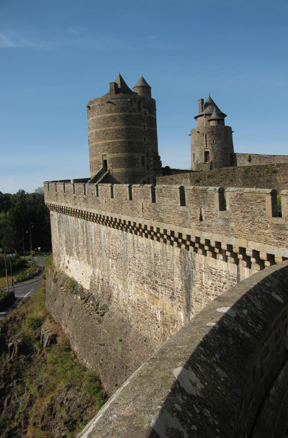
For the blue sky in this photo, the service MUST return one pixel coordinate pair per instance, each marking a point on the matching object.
(58, 54)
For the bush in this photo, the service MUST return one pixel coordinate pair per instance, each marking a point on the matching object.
(16, 265)
(166, 170)
(32, 270)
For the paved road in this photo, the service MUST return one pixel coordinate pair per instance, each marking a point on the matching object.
(28, 287)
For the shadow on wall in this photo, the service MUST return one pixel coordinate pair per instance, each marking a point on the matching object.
(216, 376)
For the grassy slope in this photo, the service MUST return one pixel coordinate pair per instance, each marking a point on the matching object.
(44, 392)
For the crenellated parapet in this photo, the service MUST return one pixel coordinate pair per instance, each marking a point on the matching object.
(236, 225)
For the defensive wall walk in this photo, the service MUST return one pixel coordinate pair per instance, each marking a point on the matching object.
(240, 226)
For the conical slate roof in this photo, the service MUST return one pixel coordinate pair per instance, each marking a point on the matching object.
(122, 86)
(209, 107)
(216, 115)
(142, 83)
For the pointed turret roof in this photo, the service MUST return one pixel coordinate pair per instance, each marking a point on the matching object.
(142, 83)
(122, 86)
(216, 115)
(209, 106)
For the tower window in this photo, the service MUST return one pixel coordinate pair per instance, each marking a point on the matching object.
(144, 139)
(144, 126)
(206, 157)
(139, 106)
(142, 161)
(145, 113)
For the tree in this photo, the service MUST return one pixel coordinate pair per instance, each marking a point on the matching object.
(24, 219)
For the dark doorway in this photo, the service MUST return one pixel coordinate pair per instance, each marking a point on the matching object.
(105, 165)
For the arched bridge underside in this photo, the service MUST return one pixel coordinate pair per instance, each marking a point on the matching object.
(224, 374)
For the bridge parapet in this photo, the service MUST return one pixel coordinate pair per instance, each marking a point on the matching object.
(212, 378)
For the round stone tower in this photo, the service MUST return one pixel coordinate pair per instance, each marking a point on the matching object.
(122, 134)
(211, 142)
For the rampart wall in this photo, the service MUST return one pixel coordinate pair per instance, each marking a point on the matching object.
(204, 220)
(262, 176)
(223, 375)
(259, 159)
(161, 253)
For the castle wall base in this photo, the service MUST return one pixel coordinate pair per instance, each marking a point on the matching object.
(99, 333)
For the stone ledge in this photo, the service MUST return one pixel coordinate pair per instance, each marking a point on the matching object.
(210, 378)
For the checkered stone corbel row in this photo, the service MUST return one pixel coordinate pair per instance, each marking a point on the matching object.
(208, 248)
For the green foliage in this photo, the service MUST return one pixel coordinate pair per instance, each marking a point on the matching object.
(17, 213)
(249, 159)
(71, 284)
(196, 180)
(16, 262)
(49, 261)
(3, 295)
(31, 270)
(35, 323)
(93, 387)
(166, 170)
(279, 205)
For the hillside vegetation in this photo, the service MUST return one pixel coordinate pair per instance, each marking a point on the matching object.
(44, 391)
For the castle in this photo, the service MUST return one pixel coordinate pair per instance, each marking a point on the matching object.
(153, 262)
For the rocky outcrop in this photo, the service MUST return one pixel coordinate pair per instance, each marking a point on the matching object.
(44, 391)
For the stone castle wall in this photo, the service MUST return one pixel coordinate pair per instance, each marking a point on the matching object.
(263, 176)
(161, 253)
(259, 159)
(223, 375)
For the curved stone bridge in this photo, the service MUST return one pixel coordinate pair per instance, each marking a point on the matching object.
(224, 374)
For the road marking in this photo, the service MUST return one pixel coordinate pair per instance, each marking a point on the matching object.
(28, 293)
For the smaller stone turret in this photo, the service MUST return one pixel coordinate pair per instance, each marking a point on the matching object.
(142, 88)
(211, 142)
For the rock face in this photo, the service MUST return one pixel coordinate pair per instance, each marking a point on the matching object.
(44, 391)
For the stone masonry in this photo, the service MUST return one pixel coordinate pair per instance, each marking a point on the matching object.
(163, 252)
(122, 133)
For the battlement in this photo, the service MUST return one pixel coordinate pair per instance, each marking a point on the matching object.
(232, 224)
